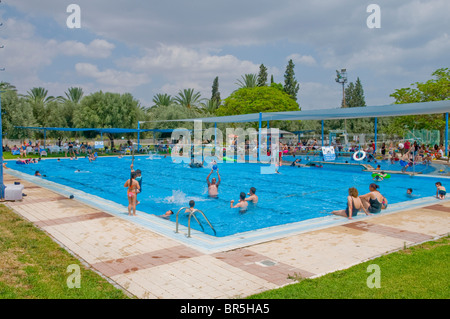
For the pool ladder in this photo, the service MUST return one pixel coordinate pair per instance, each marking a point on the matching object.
(192, 214)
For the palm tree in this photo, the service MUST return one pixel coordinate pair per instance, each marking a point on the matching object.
(39, 95)
(162, 100)
(6, 86)
(188, 98)
(248, 81)
(210, 106)
(74, 94)
(38, 99)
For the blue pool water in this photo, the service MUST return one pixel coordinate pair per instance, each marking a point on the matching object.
(294, 195)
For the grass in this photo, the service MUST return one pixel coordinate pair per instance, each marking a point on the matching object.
(418, 272)
(33, 266)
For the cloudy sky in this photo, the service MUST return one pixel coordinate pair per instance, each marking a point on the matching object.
(155, 46)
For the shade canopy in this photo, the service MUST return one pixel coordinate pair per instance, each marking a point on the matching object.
(100, 130)
(436, 107)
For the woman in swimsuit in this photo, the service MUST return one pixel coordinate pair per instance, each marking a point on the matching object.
(374, 202)
(133, 187)
(354, 205)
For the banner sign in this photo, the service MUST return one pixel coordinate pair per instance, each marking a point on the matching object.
(99, 144)
(328, 153)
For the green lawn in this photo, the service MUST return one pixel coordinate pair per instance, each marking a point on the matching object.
(419, 272)
(32, 266)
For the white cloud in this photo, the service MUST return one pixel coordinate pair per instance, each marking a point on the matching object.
(96, 49)
(110, 77)
(183, 67)
(302, 59)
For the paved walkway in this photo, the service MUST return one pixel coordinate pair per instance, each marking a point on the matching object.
(150, 265)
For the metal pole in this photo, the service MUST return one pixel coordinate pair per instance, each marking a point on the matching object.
(322, 135)
(446, 135)
(259, 135)
(2, 186)
(376, 122)
(215, 138)
(138, 136)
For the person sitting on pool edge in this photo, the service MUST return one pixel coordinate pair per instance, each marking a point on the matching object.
(252, 196)
(213, 190)
(242, 205)
(354, 205)
(373, 201)
(440, 191)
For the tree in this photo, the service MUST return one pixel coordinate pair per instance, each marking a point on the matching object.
(108, 110)
(70, 103)
(209, 106)
(437, 89)
(188, 98)
(262, 76)
(16, 111)
(354, 94)
(171, 112)
(162, 100)
(255, 100)
(215, 94)
(291, 85)
(38, 99)
(248, 81)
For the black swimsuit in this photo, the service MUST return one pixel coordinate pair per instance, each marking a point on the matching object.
(354, 210)
(375, 206)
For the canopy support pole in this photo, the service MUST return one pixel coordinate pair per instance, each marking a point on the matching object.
(376, 130)
(446, 135)
(323, 139)
(215, 138)
(259, 136)
(138, 136)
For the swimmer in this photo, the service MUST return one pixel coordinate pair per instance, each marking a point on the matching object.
(440, 191)
(294, 163)
(37, 174)
(409, 192)
(138, 179)
(213, 186)
(191, 206)
(380, 176)
(167, 214)
(242, 205)
(133, 187)
(252, 196)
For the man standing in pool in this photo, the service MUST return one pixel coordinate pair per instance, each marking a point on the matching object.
(213, 186)
(252, 196)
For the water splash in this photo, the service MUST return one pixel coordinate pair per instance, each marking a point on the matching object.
(180, 198)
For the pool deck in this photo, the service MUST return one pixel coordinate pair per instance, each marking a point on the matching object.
(148, 264)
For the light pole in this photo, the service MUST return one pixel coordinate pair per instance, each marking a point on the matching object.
(341, 77)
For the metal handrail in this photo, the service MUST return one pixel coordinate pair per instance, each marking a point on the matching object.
(192, 213)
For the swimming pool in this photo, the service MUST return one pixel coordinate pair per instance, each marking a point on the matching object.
(297, 194)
